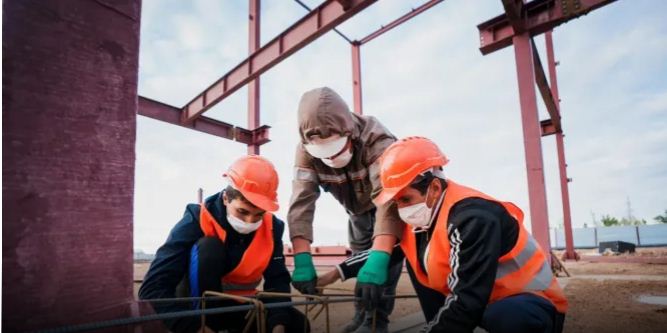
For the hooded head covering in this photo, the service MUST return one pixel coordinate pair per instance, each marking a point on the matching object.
(322, 112)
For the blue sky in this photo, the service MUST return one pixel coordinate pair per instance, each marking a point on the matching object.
(427, 78)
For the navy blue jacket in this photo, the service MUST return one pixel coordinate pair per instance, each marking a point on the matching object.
(172, 260)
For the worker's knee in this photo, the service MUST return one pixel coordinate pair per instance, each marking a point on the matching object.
(519, 314)
(207, 259)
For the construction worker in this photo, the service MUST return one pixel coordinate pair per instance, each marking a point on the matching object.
(471, 261)
(226, 244)
(338, 153)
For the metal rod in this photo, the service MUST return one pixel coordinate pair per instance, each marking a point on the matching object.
(330, 298)
(253, 87)
(414, 12)
(356, 78)
(172, 315)
(335, 30)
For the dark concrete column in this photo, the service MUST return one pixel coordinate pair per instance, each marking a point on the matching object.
(68, 139)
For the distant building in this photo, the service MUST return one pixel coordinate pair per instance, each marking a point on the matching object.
(142, 256)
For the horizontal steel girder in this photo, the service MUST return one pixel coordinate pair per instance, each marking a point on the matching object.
(538, 16)
(171, 114)
(315, 24)
(416, 11)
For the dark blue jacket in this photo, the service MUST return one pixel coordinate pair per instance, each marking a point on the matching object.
(172, 260)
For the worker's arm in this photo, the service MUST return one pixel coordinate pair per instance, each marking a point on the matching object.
(388, 225)
(168, 269)
(277, 278)
(475, 237)
(386, 232)
(305, 191)
(351, 266)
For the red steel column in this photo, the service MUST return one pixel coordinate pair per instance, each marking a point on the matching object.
(356, 77)
(562, 166)
(253, 86)
(523, 54)
(68, 153)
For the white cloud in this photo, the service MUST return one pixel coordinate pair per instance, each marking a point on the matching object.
(426, 77)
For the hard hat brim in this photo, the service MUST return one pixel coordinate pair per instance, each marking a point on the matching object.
(260, 201)
(386, 195)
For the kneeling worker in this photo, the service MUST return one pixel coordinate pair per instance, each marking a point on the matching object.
(471, 261)
(226, 244)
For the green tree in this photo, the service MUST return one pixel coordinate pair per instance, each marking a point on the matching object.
(609, 221)
(632, 221)
(661, 218)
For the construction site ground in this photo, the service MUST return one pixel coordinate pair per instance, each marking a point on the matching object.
(603, 297)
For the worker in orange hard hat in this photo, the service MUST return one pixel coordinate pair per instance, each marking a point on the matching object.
(228, 243)
(470, 258)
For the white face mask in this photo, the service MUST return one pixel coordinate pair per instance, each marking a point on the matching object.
(339, 161)
(242, 227)
(417, 215)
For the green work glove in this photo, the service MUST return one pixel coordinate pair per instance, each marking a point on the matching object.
(371, 279)
(304, 277)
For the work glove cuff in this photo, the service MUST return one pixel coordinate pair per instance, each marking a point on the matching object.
(304, 269)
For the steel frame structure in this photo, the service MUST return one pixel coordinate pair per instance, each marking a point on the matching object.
(520, 22)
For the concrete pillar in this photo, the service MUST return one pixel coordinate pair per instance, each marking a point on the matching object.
(68, 140)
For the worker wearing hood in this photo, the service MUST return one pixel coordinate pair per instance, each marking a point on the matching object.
(338, 153)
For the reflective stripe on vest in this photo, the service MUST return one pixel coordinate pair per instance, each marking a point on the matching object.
(246, 276)
(523, 269)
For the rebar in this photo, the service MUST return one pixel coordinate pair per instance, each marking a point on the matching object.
(314, 300)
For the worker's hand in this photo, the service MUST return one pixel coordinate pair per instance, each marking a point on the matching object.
(278, 329)
(328, 278)
(371, 278)
(304, 277)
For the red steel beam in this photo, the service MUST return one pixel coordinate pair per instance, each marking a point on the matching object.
(399, 21)
(514, 11)
(560, 146)
(539, 16)
(315, 24)
(171, 114)
(253, 87)
(545, 91)
(547, 127)
(356, 77)
(531, 138)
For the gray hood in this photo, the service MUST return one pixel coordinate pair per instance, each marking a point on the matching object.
(323, 112)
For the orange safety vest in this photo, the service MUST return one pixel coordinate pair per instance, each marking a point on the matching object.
(244, 279)
(524, 269)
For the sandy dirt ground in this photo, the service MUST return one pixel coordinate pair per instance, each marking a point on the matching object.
(603, 297)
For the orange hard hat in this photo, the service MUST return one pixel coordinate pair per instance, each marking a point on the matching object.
(256, 178)
(403, 161)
